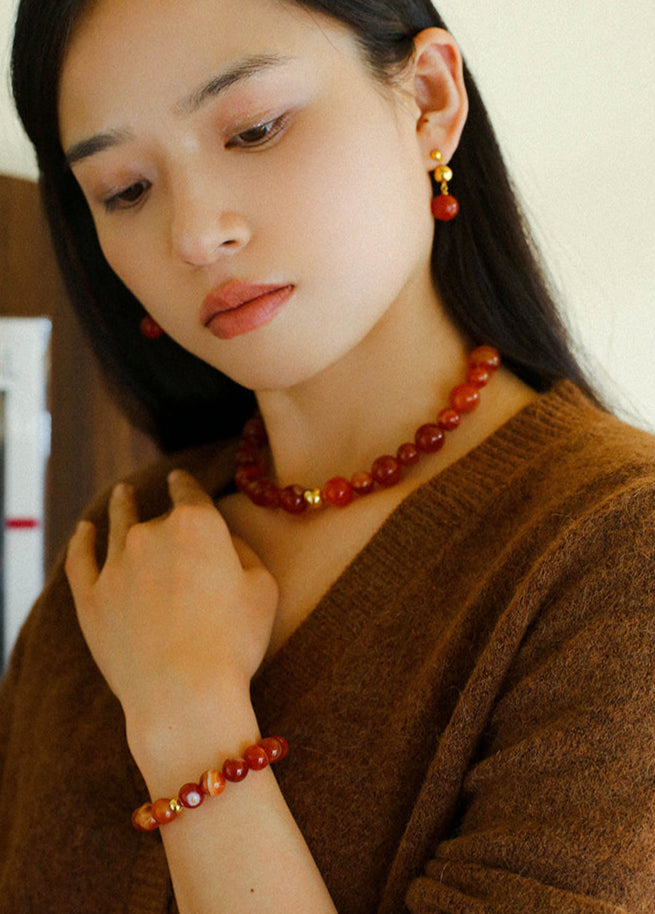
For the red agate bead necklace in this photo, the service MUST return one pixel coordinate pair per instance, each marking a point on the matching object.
(386, 471)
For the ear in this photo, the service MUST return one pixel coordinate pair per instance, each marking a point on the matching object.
(439, 92)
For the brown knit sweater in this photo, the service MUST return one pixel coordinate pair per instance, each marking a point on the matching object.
(470, 708)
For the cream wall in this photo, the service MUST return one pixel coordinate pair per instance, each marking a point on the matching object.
(15, 152)
(570, 87)
(571, 90)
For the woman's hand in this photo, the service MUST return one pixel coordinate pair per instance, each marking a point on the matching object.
(180, 616)
(178, 621)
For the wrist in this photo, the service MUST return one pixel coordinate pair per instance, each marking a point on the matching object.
(210, 783)
(175, 744)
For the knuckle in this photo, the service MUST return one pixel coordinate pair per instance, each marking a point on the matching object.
(190, 518)
(69, 563)
(73, 551)
(136, 539)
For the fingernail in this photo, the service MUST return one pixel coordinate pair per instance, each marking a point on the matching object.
(120, 490)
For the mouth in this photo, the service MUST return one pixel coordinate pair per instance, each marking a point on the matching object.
(235, 307)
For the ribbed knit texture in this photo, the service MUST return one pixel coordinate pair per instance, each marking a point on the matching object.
(470, 708)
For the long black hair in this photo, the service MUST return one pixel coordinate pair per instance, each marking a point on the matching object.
(484, 262)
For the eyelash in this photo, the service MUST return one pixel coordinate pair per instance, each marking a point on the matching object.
(252, 138)
(122, 200)
(270, 129)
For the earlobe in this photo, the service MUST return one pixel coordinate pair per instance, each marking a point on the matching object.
(439, 91)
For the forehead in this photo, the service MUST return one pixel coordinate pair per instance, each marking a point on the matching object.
(120, 49)
(180, 31)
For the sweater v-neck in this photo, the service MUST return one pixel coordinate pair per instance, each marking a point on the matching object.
(448, 505)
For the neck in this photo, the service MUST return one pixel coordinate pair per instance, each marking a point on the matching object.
(368, 402)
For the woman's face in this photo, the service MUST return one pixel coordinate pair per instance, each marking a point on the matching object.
(251, 183)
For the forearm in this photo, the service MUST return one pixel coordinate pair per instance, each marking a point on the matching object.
(243, 851)
(178, 620)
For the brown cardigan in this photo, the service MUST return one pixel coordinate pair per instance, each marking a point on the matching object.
(470, 708)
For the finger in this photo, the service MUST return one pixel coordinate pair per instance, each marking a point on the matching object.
(81, 566)
(247, 556)
(123, 515)
(186, 490)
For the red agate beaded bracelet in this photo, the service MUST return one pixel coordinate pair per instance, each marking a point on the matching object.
(211, 782)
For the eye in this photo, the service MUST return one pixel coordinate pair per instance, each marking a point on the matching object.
(127, 198)
(258, 135)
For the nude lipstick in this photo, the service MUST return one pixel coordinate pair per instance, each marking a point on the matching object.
(236, 307)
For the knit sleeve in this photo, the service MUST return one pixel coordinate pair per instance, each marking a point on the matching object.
(8, 685)
(557, 810)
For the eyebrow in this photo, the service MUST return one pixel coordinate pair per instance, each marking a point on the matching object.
(95, 144)
(241, 72)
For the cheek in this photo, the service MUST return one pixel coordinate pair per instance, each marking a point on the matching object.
(364, 211)
(115, 251)
(127, 253)
(355, 181)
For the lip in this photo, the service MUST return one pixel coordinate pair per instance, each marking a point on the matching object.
(236, 307)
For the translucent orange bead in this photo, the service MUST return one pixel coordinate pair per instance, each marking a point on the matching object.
(191, 795)
(256, 758)
(263, 492)
(254, 432)
(275, 748)
(362, 483)
(407, 454)
(249, 455)
(284, 745)
(386, 470)
(429, 438)
(444, 207)
(487, 356)
(163, 812)
(150, 329)
(338, 492)
(448, 419)
(478, 375)
(235, 769)
(246, 475)
(143, 819)
(292, 499)
(212, 782)
(464, 398)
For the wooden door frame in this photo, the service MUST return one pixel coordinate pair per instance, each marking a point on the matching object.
(84, 417)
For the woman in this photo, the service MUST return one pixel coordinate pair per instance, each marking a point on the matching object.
(456, 642)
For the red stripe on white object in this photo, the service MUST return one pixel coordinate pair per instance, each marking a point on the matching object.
(22, 523)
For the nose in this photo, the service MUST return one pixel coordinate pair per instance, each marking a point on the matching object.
(202, 229)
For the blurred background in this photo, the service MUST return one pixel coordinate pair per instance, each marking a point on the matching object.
(570, 89)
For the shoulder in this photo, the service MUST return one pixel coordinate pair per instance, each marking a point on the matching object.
(583, 492)
(557, 466)
(549, 524)
(597, 443)
(595, 478)
(580, 547)
(565, 460)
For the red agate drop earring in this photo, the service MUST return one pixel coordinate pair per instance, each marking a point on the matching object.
(150, 329)
(444, 206)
